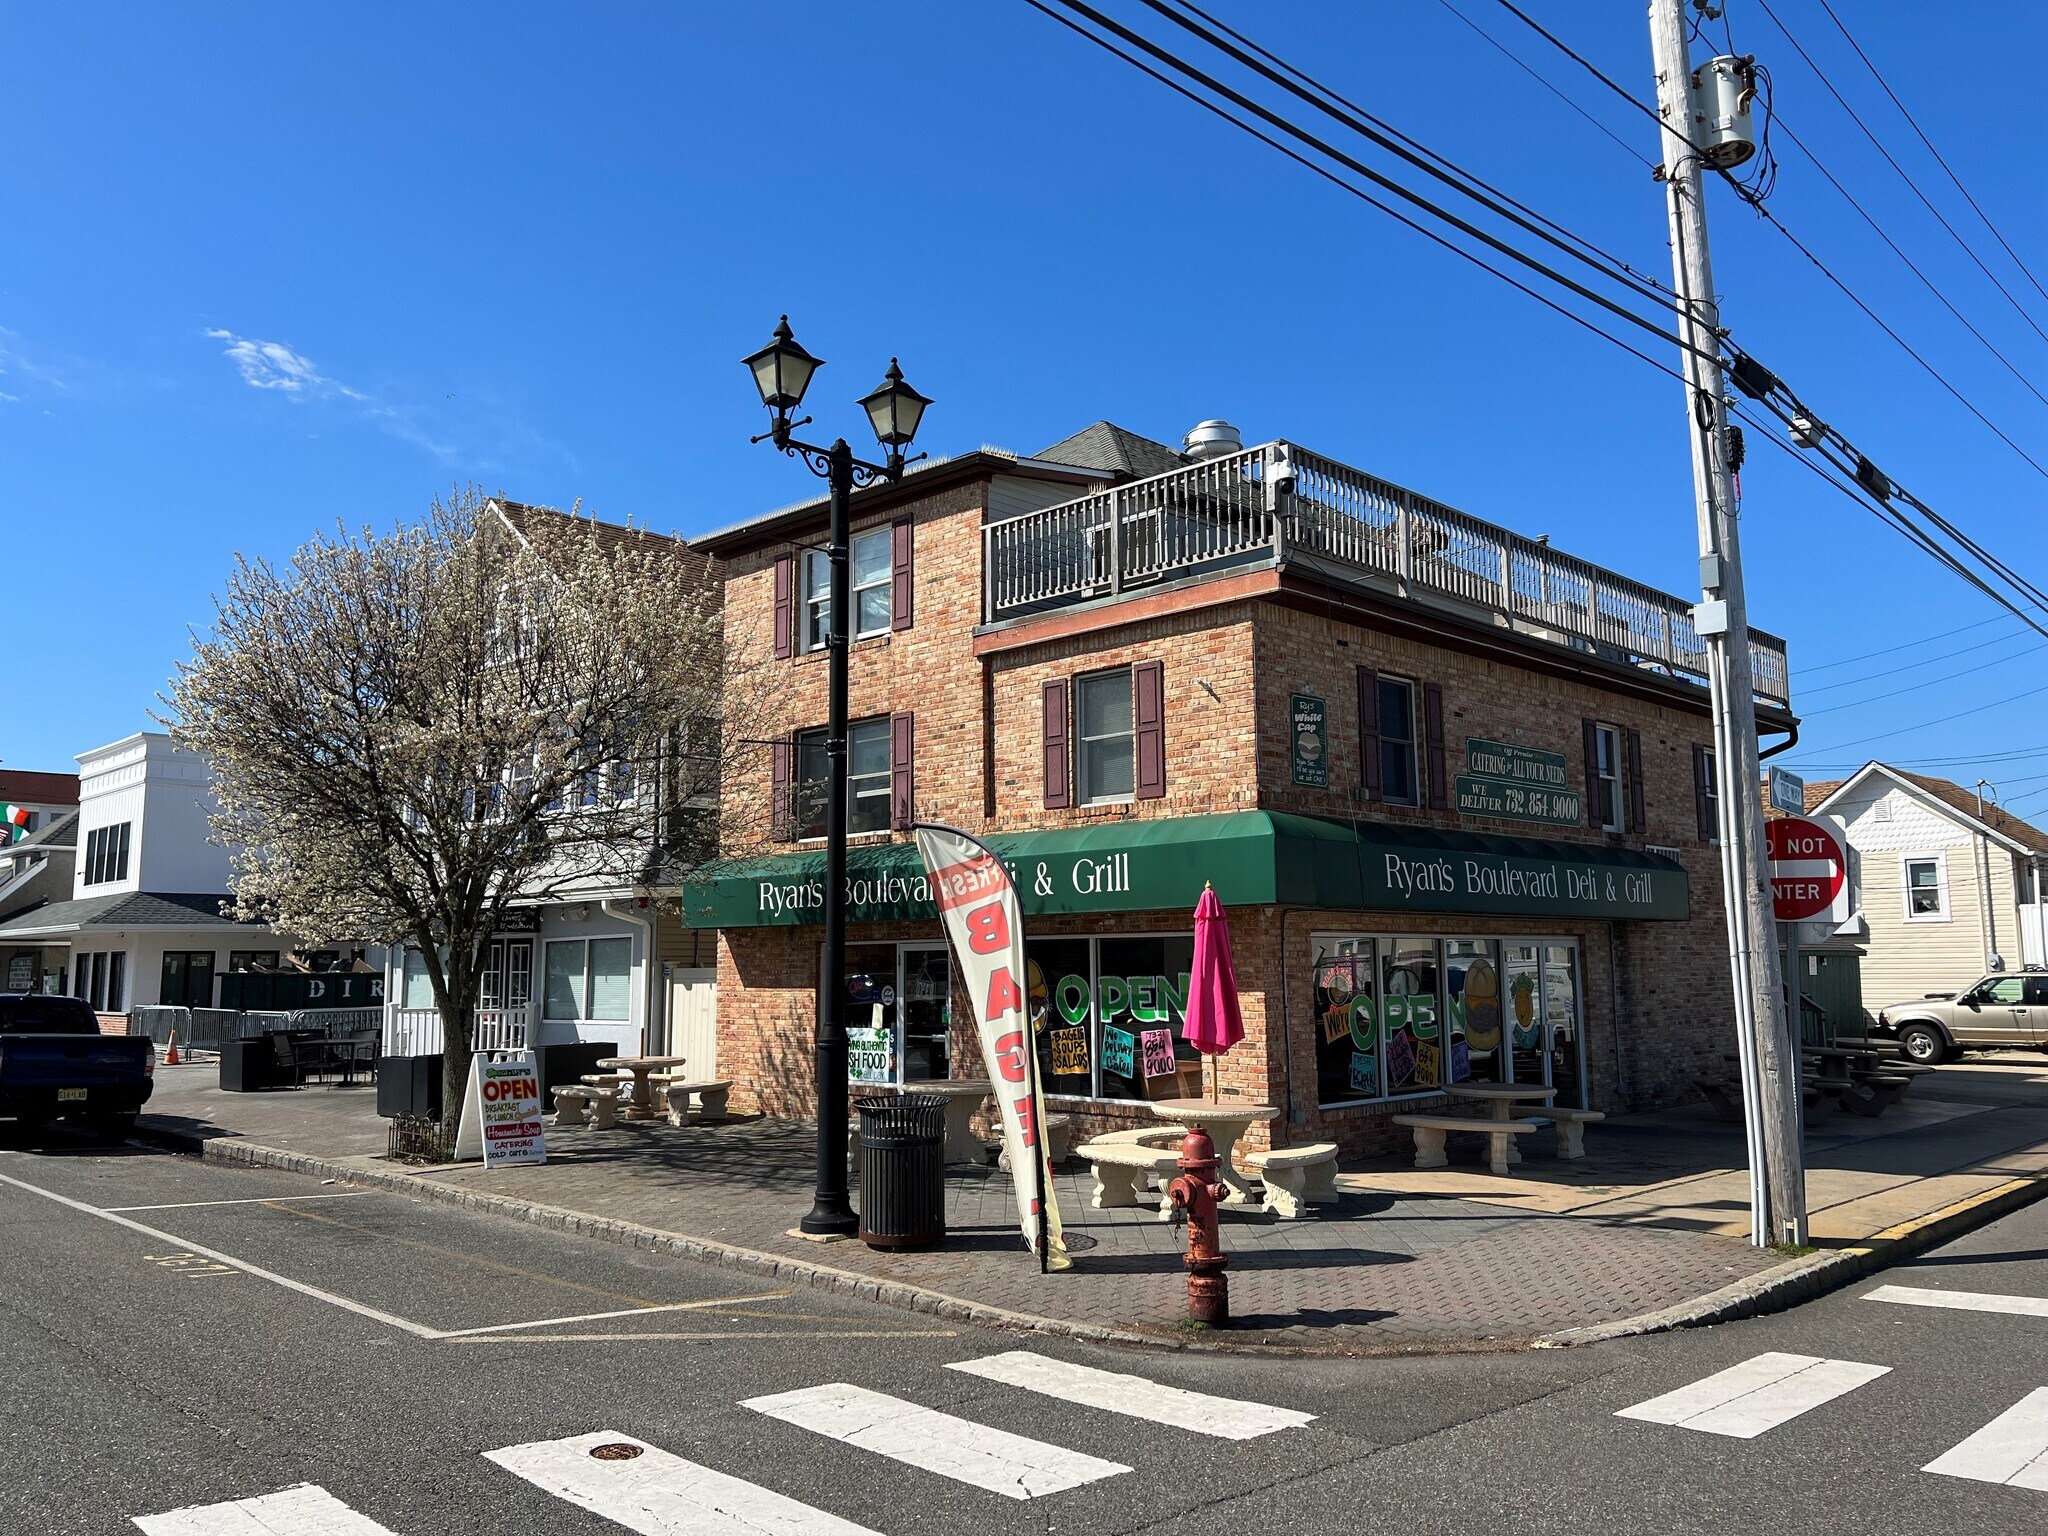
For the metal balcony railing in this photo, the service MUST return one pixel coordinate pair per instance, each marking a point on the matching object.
(1279, 505)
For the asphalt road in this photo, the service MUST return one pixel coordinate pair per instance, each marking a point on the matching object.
(176, 1335)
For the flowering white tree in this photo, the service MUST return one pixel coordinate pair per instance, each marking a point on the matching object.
(410, 732)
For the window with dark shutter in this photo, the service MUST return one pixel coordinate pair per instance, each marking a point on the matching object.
(1637, 821)
(1596, 814)
(899, 574)
(1705, 811)
(1148, 722)
(1053, 743)
(1433, 726)
(1369, 731)
(785, 607)
(902, 807)
(781, 827)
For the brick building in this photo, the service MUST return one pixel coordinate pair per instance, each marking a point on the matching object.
(1454, 787)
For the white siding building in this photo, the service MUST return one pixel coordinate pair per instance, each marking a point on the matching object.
(1937, 892)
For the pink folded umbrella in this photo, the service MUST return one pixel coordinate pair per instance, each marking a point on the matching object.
(1212, 1024)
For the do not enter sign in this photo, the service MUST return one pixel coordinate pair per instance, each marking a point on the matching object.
(1809, 871)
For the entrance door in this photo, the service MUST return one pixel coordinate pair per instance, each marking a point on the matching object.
(187, 980)
(924, 1013)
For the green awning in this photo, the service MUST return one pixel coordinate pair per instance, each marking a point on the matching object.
(1253, 858)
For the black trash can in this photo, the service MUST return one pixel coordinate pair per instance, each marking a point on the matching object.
(902, 1170)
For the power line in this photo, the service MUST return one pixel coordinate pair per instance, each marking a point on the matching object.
(1911, 666)
(1932, 682)
(1878, 506)
(1757, 206)
(1961, 714)
(1528, 69)
(1903, 645)
(1938, 158)
(1878, 144)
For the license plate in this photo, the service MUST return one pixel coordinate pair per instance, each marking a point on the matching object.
(72, 1095)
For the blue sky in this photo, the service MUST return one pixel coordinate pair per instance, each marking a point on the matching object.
(267, 267)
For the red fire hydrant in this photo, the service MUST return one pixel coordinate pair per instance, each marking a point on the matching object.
(1194, 1192)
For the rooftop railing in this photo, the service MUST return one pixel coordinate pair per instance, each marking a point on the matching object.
(1279, 505)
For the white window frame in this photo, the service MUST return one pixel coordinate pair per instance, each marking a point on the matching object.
(817, 593)
(1940, 862)
(1083, 743)
(583, 1014)
(1408, 741)
(854, 792)
(1607, 751)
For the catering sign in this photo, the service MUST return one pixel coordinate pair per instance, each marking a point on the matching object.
(501, 1110)
(1516, 784)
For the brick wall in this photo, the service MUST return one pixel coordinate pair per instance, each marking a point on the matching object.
(1657, 1010)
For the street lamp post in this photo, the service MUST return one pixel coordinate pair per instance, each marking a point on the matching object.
(782, 372)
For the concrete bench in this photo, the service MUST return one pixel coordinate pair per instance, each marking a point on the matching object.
(571, 1103)
(1119, 1165)
(1430, 1131)
(1059, 1133)
(1571, 1128)
(711, 1100)
(1297, 1177)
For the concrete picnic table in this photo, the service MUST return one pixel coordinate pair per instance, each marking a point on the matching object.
(963, 1096)
(1226, 1120)
(1501, 1099)
(641, 1105)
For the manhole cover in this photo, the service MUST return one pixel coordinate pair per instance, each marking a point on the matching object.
(616, 1450)
(1079, 1242)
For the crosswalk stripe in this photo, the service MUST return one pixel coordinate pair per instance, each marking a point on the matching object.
(1757, 1395)
(2011, 1449)
(306, 1510)
(995, 1459)
(1226, 1418)
(1960, 1301)
(658, 1494)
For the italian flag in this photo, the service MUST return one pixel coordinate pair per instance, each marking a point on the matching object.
(15, 817)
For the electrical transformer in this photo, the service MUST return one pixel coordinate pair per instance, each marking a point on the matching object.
(1722, 90)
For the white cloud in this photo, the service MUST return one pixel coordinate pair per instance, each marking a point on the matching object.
(271, 364)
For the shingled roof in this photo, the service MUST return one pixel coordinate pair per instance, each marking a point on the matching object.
(522, 515)
(25, 786)
(1105, 445)
(127, 909)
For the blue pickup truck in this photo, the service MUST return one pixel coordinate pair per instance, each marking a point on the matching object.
(55, 1064)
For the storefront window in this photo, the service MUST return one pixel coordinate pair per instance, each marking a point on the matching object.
(899, 1012)
(588, 979)
(1400, 1016)
(1107, 1015)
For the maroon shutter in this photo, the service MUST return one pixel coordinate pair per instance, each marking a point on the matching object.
(1636, 819)
(779, 776)
(1439, 775)
(902, 810)
(785, 607)
(1369, 731)
(1148, 719)
(899, 574)
(1595, 817)
(1702, 796)
(1058, 762)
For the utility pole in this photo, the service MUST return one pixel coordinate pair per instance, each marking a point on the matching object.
(1988, 904)
(1769, 1051)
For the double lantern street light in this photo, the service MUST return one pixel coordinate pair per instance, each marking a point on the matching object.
(782, 372)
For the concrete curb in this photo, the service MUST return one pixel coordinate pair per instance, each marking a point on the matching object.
(1802, 1279)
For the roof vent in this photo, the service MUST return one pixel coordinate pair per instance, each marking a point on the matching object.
(1212, 440)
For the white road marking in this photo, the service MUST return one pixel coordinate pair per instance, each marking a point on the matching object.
(307, 1510)
(598, 1317)
(1016, 1467)
(762, 1333)
(657, 1494)
(193, 1205)
(418, 1330)
(1757, 1395)
(1961, 1301)
(2011, 1449)
(1225, 1417)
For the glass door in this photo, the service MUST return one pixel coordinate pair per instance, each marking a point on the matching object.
(518, 974)
(924, 1013)
(1564, 1060)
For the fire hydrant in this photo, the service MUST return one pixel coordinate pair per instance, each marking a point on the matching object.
(1194, 1193)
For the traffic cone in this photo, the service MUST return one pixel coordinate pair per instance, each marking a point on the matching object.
(171, 1051)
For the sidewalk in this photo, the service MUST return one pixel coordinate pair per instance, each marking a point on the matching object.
(1651, 1223)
